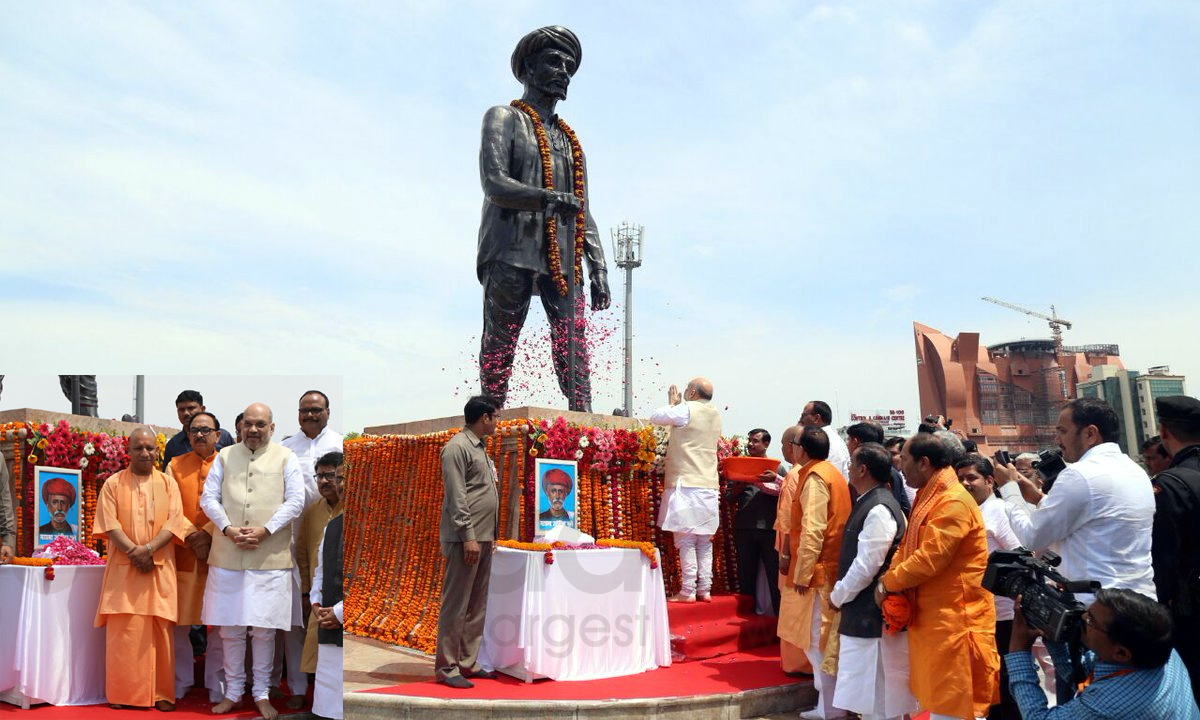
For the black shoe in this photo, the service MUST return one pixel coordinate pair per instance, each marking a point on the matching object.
(457, 681)
(481, 674)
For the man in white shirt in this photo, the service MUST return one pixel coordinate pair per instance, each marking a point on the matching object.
(689, 509)
(259, 484)
(314, 440)
(872, 677)
(1098, 517)
(976, 474)
(817, 413)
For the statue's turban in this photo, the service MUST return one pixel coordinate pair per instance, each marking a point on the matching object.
(58, 486)
(554, 36)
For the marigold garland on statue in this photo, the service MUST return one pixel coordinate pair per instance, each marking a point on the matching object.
(553, 253)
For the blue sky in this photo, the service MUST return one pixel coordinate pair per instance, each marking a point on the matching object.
(292, 188)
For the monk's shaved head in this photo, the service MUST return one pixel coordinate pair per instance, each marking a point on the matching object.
(143, 450)
(143, 432)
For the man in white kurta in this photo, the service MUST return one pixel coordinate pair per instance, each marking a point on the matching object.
(253, 493)
(690, 498)
(314, 440)
(327, 695)
(872, 676)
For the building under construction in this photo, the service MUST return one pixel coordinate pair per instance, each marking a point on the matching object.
(1007, 395)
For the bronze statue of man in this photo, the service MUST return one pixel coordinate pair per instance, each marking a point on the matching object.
(536, 230)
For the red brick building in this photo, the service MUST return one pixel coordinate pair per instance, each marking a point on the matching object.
(1004, 396)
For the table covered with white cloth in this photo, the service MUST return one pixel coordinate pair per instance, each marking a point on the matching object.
(49, 650)
(596, 613)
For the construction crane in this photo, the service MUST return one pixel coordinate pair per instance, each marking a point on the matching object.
(1056, 323)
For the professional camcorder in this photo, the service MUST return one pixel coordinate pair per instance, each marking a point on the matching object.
(1048, 606)
(1049, 464)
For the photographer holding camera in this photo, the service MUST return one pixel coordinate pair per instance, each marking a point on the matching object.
(1133, 672)
(1098, 517)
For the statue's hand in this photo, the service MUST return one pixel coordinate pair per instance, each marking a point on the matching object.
(563, 204)
(600, 296)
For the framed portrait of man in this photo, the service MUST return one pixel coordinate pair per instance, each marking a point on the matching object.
(57, 504)
(556, 481)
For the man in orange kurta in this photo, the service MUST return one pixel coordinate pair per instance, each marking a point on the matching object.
(330, 474)
(939, 567)
(792, 637)
(191, 556)
(819, 511)
(138, 513)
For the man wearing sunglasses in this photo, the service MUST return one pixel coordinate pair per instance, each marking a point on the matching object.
(1132, 670)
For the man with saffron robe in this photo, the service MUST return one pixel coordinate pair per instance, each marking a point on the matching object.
(138, 513)
(819, 512)
(795, 632)
(524, 189)
(939, 568)
(330, 474)
(253, 492)
(191, 556)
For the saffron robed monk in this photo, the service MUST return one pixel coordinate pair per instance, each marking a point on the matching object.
(138, 514)
(254, 491)
(939, 566)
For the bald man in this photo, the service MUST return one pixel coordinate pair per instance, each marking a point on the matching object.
(138, 514)
(689, 509)
(253, 493)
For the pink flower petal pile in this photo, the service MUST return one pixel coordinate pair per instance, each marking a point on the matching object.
(66, 551)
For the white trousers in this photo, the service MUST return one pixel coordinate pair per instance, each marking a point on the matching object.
(327, 690)
(263, 642)
(214, 672)
(825, 684)
(290, 644)
(695, 560)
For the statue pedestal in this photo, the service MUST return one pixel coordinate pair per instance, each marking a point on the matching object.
(423, 427)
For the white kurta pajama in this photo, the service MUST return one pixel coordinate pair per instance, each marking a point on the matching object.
(327, 694)
(260, 600)
(872, 677)
(290, 644)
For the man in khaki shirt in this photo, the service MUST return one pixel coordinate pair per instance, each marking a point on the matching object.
(468, 533)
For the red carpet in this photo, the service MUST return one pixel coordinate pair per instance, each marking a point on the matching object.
(731, 673)
(192, 707)
(725, 625)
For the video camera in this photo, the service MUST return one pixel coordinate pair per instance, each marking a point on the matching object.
(1049, 464)
(1048, 607)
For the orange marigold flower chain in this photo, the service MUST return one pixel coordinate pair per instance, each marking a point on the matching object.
(553, 254)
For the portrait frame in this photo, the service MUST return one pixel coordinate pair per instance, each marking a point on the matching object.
(43, 515)
(542, 467)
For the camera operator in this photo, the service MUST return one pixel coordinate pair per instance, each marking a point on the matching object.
(1177, 525)
(1098, 517)
(1133, 672)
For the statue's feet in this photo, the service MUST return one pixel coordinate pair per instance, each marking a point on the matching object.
(295, 702)
(226, 705)
(268, 712)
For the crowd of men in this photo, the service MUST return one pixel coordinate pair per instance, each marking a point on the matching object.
(878, 549)
(237, 537)
(880, 566)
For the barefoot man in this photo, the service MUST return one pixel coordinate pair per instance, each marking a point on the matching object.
(253, 493)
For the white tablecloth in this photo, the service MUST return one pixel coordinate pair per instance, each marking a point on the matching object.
(49, 650)
(591, 614)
